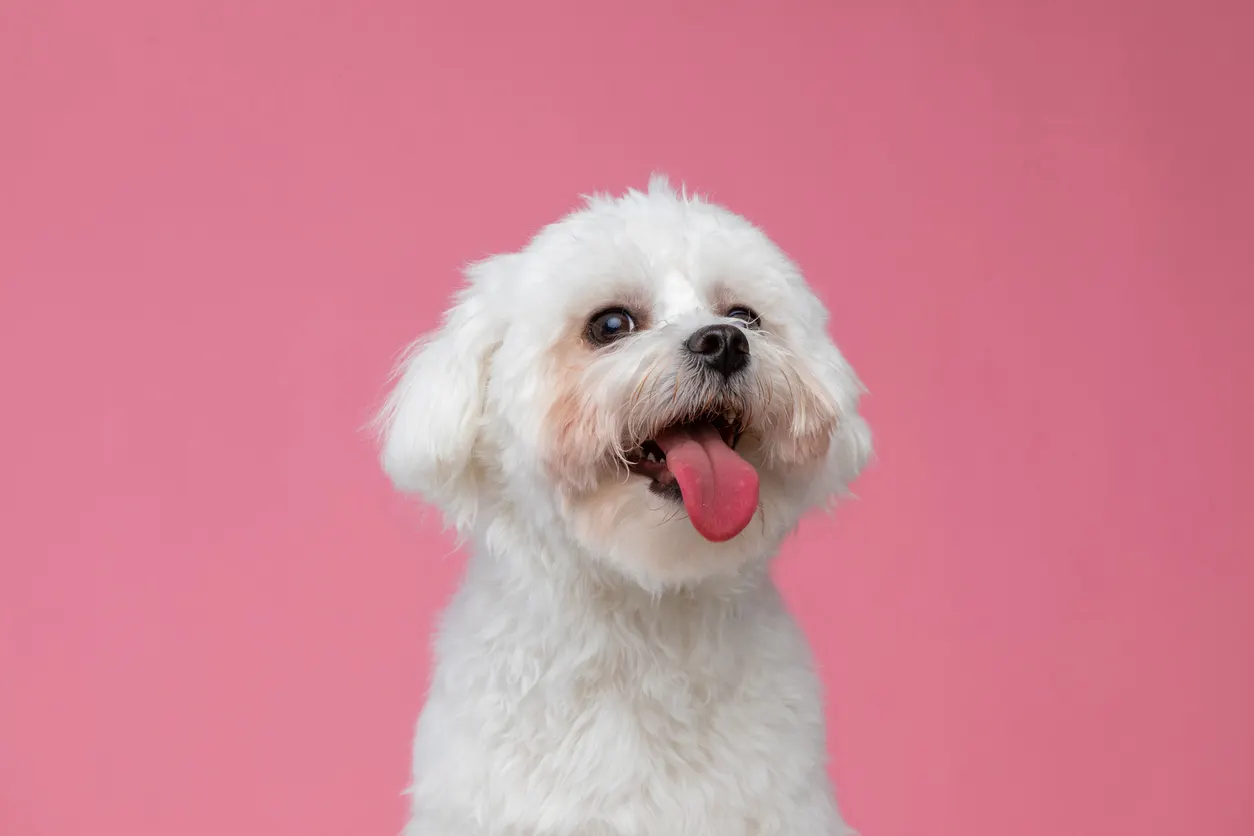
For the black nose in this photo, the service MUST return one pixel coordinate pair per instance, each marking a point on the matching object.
(724, 348)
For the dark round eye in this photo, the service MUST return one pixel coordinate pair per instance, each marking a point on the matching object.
(746, 315)
(608, 326)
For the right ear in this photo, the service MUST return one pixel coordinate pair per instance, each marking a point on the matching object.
(432, 418)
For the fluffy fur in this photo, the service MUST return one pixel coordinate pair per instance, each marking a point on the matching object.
(604, 670)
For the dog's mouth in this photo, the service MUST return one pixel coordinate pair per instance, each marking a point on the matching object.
(695, 462)
(649, 459)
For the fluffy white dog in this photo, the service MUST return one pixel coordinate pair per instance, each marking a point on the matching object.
(625, 419)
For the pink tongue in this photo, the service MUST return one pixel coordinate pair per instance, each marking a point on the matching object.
(720, 489)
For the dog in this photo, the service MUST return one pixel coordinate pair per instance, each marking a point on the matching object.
(625, 419)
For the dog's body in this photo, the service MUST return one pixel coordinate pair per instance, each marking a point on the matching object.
(597, 712)
(609, 666)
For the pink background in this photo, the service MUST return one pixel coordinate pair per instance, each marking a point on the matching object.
(219, 221)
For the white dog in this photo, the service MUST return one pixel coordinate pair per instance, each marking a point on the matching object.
(625, 418)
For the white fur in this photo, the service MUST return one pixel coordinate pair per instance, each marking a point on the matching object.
(603, 670)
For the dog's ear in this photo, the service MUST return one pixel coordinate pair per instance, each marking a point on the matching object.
(433, 417)
(850, 450)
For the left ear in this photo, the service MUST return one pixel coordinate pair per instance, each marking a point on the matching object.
(433, 417)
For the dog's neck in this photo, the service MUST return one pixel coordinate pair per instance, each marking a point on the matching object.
(530, 613)
(539, 562)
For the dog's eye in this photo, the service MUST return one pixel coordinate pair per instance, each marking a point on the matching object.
(746, 315)
(609, 325)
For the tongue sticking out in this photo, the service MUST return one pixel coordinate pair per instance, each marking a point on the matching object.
(720, 489)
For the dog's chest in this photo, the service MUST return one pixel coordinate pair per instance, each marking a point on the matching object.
(681, 733)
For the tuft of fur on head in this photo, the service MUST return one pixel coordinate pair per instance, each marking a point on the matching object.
(512, 408)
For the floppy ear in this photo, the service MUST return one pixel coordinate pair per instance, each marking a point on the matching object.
(850, 450)
(432, 419)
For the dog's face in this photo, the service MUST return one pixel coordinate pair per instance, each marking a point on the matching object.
(650, 375)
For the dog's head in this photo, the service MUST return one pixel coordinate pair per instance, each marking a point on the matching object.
(650, 375)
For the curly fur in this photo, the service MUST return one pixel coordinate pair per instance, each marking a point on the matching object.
(603, 669)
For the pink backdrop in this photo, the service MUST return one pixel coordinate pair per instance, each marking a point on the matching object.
(219, 221)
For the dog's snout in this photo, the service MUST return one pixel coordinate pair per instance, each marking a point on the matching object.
(724, 348)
